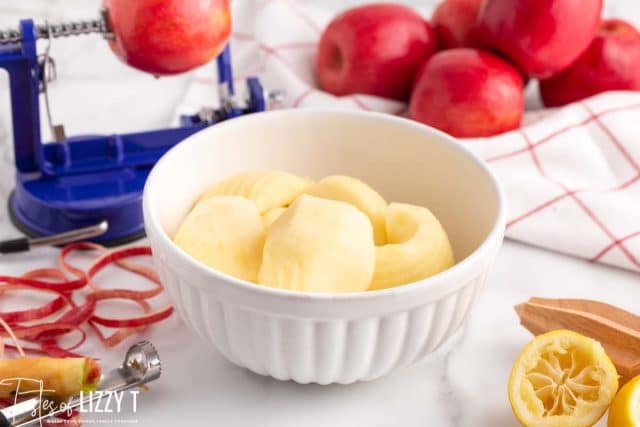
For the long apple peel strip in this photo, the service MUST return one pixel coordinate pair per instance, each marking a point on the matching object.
(85, 313)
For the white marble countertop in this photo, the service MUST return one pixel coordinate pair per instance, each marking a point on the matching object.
(465, 386)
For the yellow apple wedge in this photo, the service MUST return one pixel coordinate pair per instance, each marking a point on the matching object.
(267, 189)
(225, 233)
(359, 194)
(270, 216)
(319, 245)
(418, 247)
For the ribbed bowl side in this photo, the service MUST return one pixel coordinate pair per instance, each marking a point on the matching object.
(324, 351)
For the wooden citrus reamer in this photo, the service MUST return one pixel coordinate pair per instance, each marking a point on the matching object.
(617, 330)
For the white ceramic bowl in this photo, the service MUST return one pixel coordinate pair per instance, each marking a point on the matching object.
(314, 337)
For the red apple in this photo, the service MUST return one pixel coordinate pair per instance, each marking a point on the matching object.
(374, 49)
(542, 37)
(168, 36)
(468, 93)
(455, 22)
(612, 62)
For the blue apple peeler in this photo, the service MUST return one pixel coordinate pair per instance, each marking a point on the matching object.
(80, 182)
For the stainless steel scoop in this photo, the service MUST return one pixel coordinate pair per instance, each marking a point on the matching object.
(140, 366)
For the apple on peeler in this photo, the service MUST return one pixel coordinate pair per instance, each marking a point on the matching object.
(165, 37)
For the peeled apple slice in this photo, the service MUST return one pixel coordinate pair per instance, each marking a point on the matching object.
(562, 379)
(267, 189)
(359, 194)
(225, 233)
(319, 245)
(270, 216)
(418, 247)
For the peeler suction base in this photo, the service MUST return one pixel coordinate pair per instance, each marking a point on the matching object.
(29, 232)
(52, 205)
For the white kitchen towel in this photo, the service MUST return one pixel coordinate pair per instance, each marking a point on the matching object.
(571, 175)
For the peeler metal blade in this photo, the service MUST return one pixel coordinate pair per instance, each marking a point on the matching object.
(141, 365)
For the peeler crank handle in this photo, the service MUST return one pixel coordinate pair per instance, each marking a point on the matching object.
(140, 366)
(24, 244)
(19, 413)
(28, 412)
(4, 422)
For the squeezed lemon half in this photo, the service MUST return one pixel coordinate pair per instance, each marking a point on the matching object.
(562, 379)
(625, 409)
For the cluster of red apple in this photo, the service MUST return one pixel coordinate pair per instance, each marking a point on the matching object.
(465, 72)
